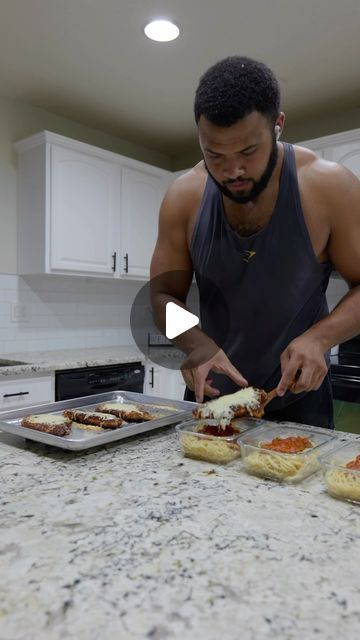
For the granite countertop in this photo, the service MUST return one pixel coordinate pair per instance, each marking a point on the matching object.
(49, 361)
(133, 541)
(43, 361)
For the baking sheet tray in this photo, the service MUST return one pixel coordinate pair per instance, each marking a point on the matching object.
(169, 412)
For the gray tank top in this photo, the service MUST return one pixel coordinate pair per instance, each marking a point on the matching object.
(272, 284)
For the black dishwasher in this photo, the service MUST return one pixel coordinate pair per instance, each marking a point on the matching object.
(74, 383)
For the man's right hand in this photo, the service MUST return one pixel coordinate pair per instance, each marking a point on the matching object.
(196, 375)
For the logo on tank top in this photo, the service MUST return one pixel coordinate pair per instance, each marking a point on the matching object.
(248, 255)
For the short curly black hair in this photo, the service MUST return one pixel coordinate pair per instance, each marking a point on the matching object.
(234, 87)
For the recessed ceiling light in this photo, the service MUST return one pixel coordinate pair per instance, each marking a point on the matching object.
(161, 30)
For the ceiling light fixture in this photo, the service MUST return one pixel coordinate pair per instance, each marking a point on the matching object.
(162, 30)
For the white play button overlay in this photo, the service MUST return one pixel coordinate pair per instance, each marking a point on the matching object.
(178, 320)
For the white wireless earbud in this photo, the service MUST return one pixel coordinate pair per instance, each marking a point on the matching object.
(277, 132)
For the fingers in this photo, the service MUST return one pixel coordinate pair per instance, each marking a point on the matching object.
(303, 381)
(236, 376)
(309, 380)
(199, 383)
(301, 373)
(209, 390)
(196, 377)
(202, 386)
(288, 377)
(222, 364)
(187, 374)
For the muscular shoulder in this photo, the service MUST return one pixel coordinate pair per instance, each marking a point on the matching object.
(328, 181)
(182, 201)
(184, 194)
(330, 196)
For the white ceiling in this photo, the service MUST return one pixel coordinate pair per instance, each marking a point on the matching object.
(89, 60)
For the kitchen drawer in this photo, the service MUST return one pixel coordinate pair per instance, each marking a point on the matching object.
(20, 391)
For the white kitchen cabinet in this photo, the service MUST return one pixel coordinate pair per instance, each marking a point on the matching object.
(68, 208)
(163, 382)
(155, 381)
(347, 154)
(178, 385)
(141, 194)
(84, 210)
(314, 147)
(343, 148)
(87, 211)
(20, 391)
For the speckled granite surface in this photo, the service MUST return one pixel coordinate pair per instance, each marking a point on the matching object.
(69, 359)
(133, 541)
(43, 361)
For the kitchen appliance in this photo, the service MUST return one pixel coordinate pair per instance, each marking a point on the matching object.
(159, 340)
(75, 383)
(345, 378)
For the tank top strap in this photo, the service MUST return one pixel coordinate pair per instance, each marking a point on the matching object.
(291, 195)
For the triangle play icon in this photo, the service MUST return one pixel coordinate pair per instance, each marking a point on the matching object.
(178, 320)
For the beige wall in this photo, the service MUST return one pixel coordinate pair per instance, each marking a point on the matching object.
(19, 120)
(326, 123)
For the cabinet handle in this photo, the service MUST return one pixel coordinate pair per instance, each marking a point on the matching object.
(11, 395)
(114, 261)
(126, 258)
(152, 377)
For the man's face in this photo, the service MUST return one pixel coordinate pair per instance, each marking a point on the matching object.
(241, 158)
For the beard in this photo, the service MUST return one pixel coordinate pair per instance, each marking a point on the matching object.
(258, 185)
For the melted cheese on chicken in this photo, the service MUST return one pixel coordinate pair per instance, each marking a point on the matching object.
(48, 418)
(120, 406)
(221, 408)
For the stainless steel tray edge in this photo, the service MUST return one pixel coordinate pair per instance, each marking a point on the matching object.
(97, 439)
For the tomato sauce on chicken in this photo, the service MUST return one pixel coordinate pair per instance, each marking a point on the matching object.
(217, 430)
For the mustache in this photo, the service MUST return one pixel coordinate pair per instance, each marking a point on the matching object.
(232, 180)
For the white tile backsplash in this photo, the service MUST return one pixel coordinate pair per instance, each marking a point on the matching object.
(68, 312)
(65, 312)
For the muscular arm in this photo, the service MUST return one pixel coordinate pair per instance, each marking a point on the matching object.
(344, 253)
(171, 275)
(340, 193)
(171, 268)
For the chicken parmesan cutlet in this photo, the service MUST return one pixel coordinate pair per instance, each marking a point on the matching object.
(48, 423)
(245, 402)
(128, 412)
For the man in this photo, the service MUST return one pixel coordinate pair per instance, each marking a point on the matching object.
(262, 224)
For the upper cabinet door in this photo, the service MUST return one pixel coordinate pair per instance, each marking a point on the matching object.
(141, 195)
(84, 208)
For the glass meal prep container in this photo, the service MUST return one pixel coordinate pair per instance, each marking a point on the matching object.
(290, 467)
(220, 449)
(342, 481)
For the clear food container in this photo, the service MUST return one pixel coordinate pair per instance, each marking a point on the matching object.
(220, 449)
(342, 482)
(290, 467)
